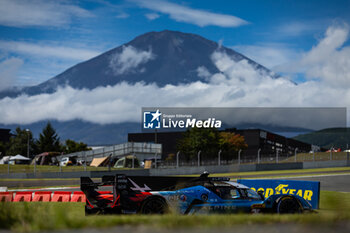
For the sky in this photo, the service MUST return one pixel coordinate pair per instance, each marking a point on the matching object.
(306, 42)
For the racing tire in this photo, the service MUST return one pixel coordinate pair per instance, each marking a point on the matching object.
(288, 205)
(90, 211)
(154, 205)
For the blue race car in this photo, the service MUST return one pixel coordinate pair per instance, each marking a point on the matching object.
(185, 195)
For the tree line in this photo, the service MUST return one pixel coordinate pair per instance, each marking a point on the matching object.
(210, 142)
(48, 141)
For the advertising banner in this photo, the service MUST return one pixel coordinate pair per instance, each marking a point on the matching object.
(309, 190)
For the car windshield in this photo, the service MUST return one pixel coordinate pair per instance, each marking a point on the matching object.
(251, 194)
(227, 192)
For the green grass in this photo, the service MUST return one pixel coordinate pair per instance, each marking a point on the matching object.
(45, 168)
(32, 217)
(319, 156)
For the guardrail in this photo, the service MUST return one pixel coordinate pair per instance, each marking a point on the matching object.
(118, 150)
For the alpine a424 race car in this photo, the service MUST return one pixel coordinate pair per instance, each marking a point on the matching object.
(185, 195)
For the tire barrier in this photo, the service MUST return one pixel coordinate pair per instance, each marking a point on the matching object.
(46, 196)
(6, 196)
(23, 196)
(78, 196)
(61, 196)
(42, 196)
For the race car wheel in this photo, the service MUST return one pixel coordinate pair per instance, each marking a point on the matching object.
(288, 205)
(154, 205)
(90, 211)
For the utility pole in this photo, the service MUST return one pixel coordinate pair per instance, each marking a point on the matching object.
(239, 156)
(177, 159)
(28, 131)
(198, 155)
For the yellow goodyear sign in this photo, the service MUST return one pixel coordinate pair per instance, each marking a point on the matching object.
(309, 190)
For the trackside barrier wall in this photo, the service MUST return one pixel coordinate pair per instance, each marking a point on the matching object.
(44, 196)
(23, 196)
(6, 196)
(325, 164)
(247, 168)
(61, 196)
(78, 196)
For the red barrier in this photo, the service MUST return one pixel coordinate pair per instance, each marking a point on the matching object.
(23, 196)
(78, 196)
(61, 196)
(44, 196)
(6, 196)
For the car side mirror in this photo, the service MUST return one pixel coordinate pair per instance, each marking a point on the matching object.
(261, 194)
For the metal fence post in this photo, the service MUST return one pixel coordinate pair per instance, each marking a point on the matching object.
(259, 156)
(177, 159)
(313, 155)
(295, 154)
(198, 155)
(276, 156)
(219, 157)
(155, 160)
(34, 166)
(85, 161)
(8, 166)
(239, 156)
(330, 154)
(133, 161)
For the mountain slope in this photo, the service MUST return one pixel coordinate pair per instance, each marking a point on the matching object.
(166, 57)
(327, 138)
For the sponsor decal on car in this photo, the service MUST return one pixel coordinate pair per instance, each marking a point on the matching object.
(309, 190)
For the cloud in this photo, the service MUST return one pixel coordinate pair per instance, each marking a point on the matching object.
(129, 60)
(18, 13)
(123, 15)
(328, 61)
(42, 50)
(8, 72)
(203, 72)
(152, 16)
(237, 84)
(186, 14)
(269, 55)
(298, 28)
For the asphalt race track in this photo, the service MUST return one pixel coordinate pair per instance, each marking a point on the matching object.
(335, 181)
(339, 183)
